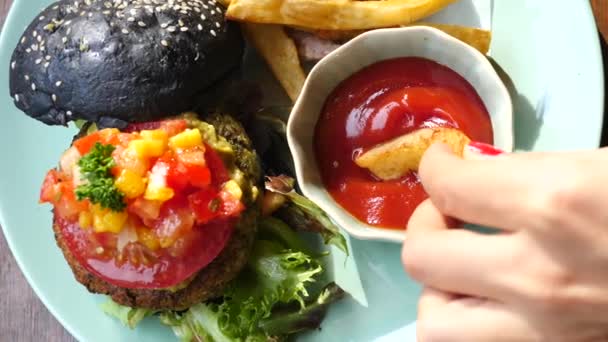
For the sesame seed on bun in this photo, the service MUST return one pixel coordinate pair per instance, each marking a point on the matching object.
(120, 61)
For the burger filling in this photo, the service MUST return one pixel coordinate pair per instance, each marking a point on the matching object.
(150, 206)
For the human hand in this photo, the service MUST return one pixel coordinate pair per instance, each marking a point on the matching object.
(543, 277)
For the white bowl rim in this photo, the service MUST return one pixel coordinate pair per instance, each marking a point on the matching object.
(365, 231)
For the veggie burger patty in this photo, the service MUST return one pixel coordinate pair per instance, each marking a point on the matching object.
(210, 281)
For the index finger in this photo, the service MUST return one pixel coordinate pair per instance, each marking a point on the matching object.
(494, 191)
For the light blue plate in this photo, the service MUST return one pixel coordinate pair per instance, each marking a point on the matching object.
(556, 81)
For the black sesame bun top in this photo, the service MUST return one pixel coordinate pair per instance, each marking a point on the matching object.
(119, 61)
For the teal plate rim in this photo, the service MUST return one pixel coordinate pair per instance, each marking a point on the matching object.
(10, 21)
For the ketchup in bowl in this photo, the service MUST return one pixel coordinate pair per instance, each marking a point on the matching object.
(381, 102)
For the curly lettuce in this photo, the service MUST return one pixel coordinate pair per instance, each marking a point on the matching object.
(303, 214)
(269, 300)
(128, 316)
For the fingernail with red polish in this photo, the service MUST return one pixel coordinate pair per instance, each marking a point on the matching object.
(485, 149)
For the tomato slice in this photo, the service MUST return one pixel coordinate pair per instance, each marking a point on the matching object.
(191, 253)
(172, 127)
(175, 220)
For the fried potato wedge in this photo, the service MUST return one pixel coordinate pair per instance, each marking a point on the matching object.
(478, 38)
(281, 54)
(395, 158)
(334, 14)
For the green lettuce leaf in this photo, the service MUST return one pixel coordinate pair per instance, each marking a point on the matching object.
(270, 299)
(302, 213)
(274, 284)
(130, 317)
(284, 322)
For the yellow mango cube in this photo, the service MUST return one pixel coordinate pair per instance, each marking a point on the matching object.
(130, 183)
(233, 188)
(147, 148)
(85, 220)
(107, 221)
(163, 194)
(155, 134)
(186, 139)
(147, 238)
(108, 132)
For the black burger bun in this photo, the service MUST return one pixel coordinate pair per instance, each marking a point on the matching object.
(118, 61)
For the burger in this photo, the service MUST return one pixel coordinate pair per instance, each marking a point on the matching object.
(157, 202)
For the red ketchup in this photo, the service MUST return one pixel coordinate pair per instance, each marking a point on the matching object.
(377, 104)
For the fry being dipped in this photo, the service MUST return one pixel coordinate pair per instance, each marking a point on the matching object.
(396, 158)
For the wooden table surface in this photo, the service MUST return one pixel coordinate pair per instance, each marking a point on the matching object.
(23, 318)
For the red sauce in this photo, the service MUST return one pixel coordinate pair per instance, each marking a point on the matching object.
(379, 103)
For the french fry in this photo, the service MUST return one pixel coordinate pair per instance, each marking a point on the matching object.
(279, 51)
(334, 14)
(394, 159)
(478, 38)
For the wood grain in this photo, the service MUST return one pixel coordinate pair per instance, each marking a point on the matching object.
(23, 318)
(600, 10)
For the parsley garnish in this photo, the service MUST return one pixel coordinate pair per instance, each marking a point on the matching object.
(99, 188)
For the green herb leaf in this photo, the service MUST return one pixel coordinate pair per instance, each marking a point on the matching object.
(99, 187)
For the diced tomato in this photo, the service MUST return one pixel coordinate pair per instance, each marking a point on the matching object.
(172, 127)
(205, 204)
(146, 209)
(68, 205)
(175, 220)
(86, 143)
(105, 136)
(216, 166)
(180, 174)
(60, 192)
(230, 206)
(124, 138)
(199, 176)
(176, 176)
(51, 191)
(127, 159)
(194, 156)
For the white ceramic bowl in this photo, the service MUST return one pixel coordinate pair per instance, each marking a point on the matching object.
(369, 48)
